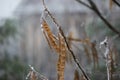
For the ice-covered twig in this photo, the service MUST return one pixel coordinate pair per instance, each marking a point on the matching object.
(108, 57)
(34, 75)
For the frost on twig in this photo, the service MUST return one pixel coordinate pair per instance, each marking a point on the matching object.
(34, 75)
(108, 57)
(104, 42)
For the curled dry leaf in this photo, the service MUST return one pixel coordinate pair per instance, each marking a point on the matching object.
(61, 47)
(58, 45)
(49, 36)
(62, 58)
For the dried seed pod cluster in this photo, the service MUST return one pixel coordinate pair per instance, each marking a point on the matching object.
(58, 44)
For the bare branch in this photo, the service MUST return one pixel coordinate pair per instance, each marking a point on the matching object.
(108, 58)
(61, 32)
(34, 75)
(96, 10)
(50, 14)
(117, 3)
(74, 57)
(84, 4)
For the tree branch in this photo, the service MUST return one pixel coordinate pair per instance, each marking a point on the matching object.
(73, 55)
(84, 4)
(117, 3)
(96, 10)
(62, 33)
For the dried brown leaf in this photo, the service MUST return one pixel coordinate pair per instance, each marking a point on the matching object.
(76, 75)
(62, 58)
(87, 52)
(51, 39)
(94, 54)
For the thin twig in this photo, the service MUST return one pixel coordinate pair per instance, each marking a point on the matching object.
(117, 3)
(96, 10)
(61, 32)
(108, 58)
(54, 20)
(74, 57)
(84, 4)
(34, 75)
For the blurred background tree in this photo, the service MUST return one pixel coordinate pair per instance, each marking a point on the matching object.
(7, 29)
(11, 68)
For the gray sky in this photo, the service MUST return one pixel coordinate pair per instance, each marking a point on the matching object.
(7, 7)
